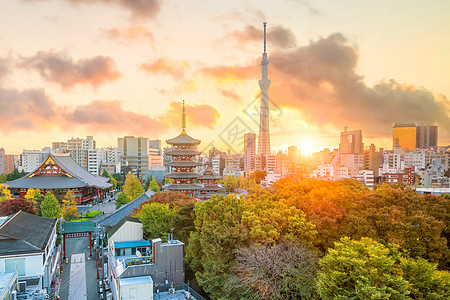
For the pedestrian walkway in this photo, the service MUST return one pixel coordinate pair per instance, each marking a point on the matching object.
(77, 282)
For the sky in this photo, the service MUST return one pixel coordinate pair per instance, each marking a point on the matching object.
(109, 68)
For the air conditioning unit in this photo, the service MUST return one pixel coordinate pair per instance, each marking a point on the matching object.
(22, 287)
(171, 291)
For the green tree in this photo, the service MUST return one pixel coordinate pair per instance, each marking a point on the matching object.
(105, 174)
(153, 185)
(50, 206)
(230, 184)
(218, 232)
(132, 187)
(113, 181)
(121, 200)
(69, 207)
(183, 222)
(156, 219)
(3, 178)
(360, 270)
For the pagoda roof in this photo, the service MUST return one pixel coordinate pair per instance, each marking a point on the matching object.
(184, 187)
(186, 163)
(70, 175)
(182, 175)
(182, 152)
(209, 174)
(213, 188)
(24, 232)
(183, 138)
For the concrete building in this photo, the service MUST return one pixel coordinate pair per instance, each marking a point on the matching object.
(28, 248)
(411, 135)
(351, 142)
(136, 266)
(8, 286)
(78, 149)
(134, 154)
(249, 152)
(31, 159)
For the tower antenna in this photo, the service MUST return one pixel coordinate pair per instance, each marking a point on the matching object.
(265, 36)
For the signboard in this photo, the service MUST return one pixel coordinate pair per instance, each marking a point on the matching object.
(77, 234)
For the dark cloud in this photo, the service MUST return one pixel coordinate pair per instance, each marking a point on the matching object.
(138, 8)
(24, 109)
(61, 69)
(277, 36)
(4, 67)
(320, 80)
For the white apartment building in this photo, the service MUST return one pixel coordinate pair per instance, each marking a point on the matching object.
(31, 159)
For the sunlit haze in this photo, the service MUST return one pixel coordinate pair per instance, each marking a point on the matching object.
(113, 68)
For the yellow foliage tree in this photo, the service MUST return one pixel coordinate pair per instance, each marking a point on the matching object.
(69, 207)
(132, 187)
(5, 193)
(32, 195)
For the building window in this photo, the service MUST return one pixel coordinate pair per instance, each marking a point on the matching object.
(15, 265)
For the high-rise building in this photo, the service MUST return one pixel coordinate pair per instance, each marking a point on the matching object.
(264, 85)
(78, 149)
(30, 160)
(373, 160)
(411, 135)
(292, 154)
(249, 152)
(351, 142)
(155, 154)
(134, 154)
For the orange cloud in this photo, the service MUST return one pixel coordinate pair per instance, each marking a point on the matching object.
(61, 69)
(167, 66)
(130, 33)
(222, 74)
(198, 115)
(230, 94)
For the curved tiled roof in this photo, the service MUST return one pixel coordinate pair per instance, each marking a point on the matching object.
(183, 138)
(184, 187)
(80, 177)
(176, 152)
(187, 163)
(182, 175)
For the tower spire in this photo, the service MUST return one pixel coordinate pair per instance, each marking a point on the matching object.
(264, 37)
(183, 120)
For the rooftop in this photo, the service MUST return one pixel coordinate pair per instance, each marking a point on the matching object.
(183, 138)
(24, 232)
(6, 280)
(132, 244)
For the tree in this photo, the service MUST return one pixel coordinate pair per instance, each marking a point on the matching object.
(113, 181)
(5, 193)
(11, 206)
(153, 185)
(360, 270)
(105, 174)
(258, 176)
(132, 187)
(283, 271)
(33, 195)
(218, 232)
(230, 183)
(183, 222)
(3, 178)
(50, 206)
(69, 207)
(121, 200)
(15, 174)
(155, 218)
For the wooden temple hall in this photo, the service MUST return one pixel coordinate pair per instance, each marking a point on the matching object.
(60, 173)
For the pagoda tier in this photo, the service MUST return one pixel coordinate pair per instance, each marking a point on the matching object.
(209, 181)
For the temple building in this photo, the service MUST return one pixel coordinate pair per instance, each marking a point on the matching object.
(183, 162)
(60, 173)
(209, 181)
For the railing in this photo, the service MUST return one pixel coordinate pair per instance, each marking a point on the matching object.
(161, 288)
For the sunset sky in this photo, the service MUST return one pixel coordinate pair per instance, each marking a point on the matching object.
(109, 68)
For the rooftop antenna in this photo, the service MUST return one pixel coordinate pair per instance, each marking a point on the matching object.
(265, 36)
(183, 120)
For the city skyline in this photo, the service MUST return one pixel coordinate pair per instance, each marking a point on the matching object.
(71, 72)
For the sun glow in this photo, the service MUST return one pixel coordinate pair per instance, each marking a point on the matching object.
(307, 146)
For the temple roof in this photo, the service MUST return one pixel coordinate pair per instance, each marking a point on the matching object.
(183, 138)
(182, 152)
(209, 174)
(182, 175)
(184, 187)
(213, 188)
(75, 176)
(183, 164)
(24, 232)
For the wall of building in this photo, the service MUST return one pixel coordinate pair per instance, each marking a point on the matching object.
(129, 231)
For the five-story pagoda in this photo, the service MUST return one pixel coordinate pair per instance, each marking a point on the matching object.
(183, 162)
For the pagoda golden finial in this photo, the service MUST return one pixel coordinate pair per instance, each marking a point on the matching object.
(183, 120)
